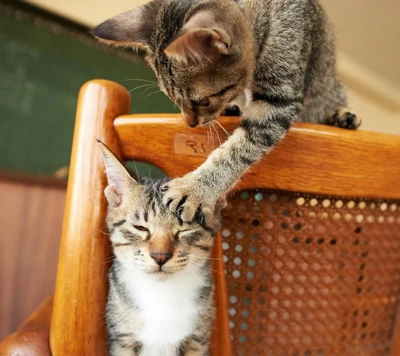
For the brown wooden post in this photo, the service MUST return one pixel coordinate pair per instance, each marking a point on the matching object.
(220, 337)
(395, 347)
(78, 324)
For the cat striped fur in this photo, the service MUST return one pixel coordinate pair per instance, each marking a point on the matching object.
(160, 299)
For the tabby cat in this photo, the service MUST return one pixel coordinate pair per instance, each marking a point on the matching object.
(275, 56)
(160, 299)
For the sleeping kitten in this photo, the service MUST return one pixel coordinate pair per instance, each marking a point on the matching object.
(160, 300)
(275, 56)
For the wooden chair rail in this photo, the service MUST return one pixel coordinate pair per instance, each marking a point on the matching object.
(311, 159)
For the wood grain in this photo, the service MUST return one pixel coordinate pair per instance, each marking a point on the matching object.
(30, 220)
(220, 337)
(32, 338)
(78, 324)
(395, 347)
(310, 159)
(41, 317)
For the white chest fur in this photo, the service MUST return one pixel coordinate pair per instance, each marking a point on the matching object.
(166, 309)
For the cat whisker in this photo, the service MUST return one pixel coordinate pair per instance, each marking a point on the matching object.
(137, 80)
(194, 273)
(180, 104)
(141, 86)
(198, 258)
(223, 129)
(183, 121)
(108, 260)
(202, 257)
(136, 170)
(103, 232)
(209, 268)
(151, 179)
(106, 275)
(212, 138)
(216, 132)
(155, 92)
(147, 89)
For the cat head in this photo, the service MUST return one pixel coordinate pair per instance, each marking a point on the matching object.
(144, 234)
(202, 52)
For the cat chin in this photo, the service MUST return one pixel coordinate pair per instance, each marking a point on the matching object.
(161, 275)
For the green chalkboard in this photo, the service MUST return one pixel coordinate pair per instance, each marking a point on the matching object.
(42, 66)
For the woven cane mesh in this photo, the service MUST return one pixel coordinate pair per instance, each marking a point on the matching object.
(311, 275)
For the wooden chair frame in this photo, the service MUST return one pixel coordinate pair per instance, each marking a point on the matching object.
(311, 159)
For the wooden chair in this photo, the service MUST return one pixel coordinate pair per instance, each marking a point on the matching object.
(310, 239)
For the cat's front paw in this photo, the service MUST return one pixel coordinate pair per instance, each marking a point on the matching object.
(344, 118)
(189, 200)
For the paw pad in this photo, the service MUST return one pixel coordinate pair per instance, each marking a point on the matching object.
(344, 119)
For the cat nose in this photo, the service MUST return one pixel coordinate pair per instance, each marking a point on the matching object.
(192, 121)
(161, 258)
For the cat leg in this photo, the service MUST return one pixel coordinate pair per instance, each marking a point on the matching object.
(196, 348)
(344, 118)
(118, 349)
(198, 344)
(123, 345)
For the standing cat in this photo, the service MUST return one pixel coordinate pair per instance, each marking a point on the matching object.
(277, 56)
(160, 300)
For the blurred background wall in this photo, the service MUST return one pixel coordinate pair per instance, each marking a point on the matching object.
(46, 54)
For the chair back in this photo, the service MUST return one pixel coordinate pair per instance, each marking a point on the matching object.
(310, 237)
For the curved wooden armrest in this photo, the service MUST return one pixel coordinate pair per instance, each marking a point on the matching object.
(32, 338)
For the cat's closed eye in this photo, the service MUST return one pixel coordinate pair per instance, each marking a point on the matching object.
(184, 233)
(201, 102)
(141, 228)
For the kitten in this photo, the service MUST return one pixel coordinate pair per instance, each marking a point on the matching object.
(277, 57)
(160, 300)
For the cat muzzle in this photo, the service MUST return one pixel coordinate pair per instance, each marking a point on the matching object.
(191, 120)
(161, 258)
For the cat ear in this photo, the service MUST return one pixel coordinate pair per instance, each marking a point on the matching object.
(130, 29)
(201, 41)
(120, 183)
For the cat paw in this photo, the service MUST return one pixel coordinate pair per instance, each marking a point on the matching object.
(344, 118)
(185, 198)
